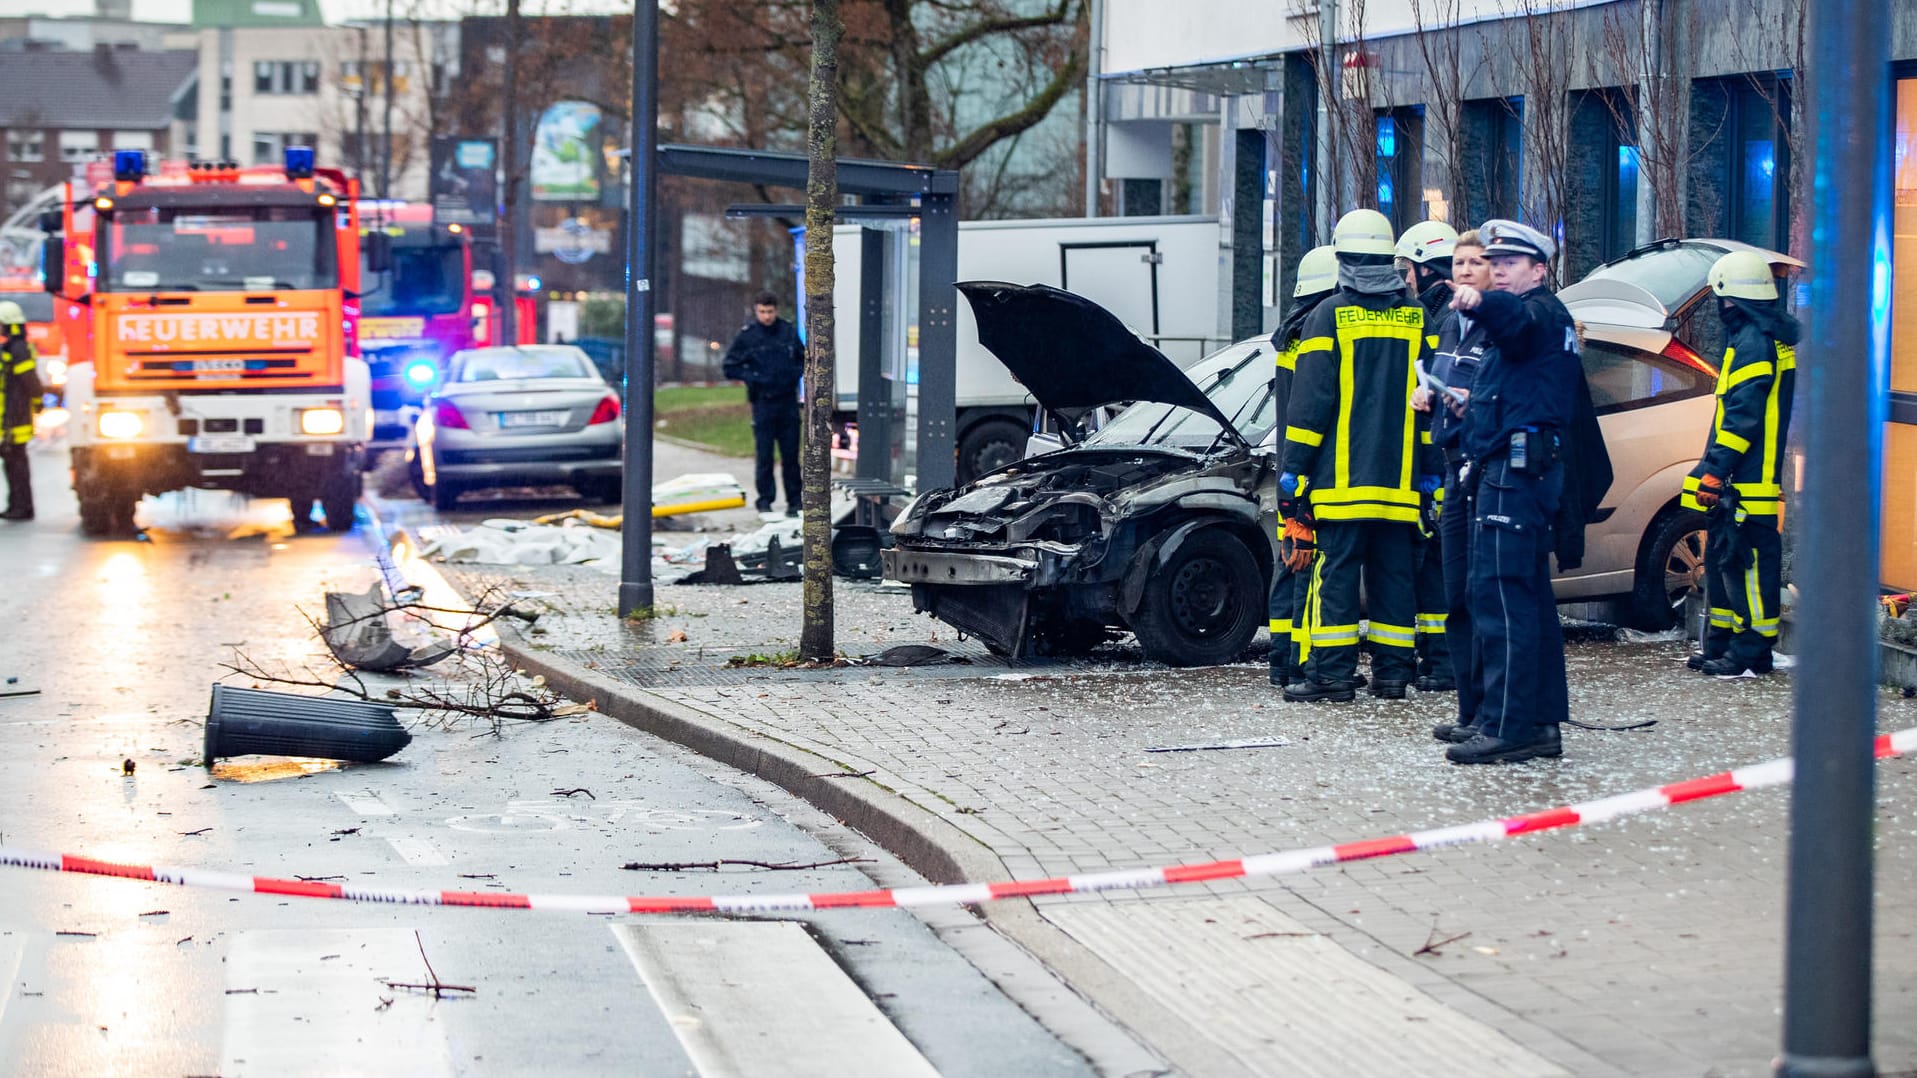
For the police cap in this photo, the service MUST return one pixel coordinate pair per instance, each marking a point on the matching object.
(1503, 237)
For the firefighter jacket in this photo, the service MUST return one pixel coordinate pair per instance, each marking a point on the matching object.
(1284, 343)
(20, 387)
(1351, 433)
(1754, 387)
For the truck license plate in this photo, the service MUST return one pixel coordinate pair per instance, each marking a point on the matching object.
(532, 419)
(220, 443)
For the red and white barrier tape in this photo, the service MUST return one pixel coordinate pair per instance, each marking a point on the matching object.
(1774, 773)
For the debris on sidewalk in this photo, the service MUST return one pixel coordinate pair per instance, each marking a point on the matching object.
(915, 655)
(359, 634)
(501, 541)
(1234, 743)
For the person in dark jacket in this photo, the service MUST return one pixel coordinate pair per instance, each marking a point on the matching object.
(1349, 481)
(1523, 403)
(1739, 483)
(1290, 628)
(20, 388)
(768, 357)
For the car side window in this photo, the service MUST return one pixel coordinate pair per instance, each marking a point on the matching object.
(1624, 378)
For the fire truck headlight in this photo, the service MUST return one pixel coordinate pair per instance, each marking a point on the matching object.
(122, 424)
(322, 421)
(56, 371)
(422, 372)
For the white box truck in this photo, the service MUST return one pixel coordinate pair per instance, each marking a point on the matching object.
(1157, 274)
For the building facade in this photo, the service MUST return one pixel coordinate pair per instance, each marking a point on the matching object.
(1608, 123)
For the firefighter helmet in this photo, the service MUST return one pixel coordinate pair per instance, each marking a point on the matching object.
(1363, 232)
(11, 314)
(1317, 272)
(1743, 275)
(1427, 240)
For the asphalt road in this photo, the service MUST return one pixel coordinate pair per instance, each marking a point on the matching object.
(104, 976)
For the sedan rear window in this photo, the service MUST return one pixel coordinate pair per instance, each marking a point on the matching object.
(1672, 274)
(544, 363)
(1624, 378)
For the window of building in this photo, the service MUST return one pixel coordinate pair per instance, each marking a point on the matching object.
(1494, 159)
(1899, 568)
(286, 77)
(1757, 160)
(79, 145)
(26, 144)
(269, 147)
(133, 140)
(1400, 150)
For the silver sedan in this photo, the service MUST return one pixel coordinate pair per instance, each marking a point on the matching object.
(525, 415)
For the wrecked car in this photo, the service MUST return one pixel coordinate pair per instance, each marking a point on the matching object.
(1161, 524)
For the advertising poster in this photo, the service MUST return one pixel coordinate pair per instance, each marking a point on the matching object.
(465, 187)
(565, 157)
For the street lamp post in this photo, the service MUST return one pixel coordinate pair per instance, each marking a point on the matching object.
(635, 562)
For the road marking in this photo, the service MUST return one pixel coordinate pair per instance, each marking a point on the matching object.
(752, 998)
(308, 1002)
(11, 950)
(1285, 1000)
(417, 851)
(366, 803)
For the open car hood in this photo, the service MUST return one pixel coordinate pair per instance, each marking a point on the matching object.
(1073, 355)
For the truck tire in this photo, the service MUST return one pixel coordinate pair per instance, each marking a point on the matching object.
(106, 513)
(338, 499)
(1670, 568)
(990, 444)
(1202, 607)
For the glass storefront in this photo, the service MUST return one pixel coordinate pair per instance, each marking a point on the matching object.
(1900, 441)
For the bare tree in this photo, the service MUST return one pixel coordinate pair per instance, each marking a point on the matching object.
(1540, 45)
(1343, 70)
(1641, 47)
(1766, 35)
(821, 198)
(1439, 39)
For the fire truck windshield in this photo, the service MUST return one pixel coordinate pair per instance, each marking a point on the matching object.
(228, 249)
(423, 280)
(37, 306)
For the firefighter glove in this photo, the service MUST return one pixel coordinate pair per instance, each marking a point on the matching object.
(1710, 490)
(1300, 545)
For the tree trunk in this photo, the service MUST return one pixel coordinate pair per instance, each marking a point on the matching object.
(821, 195)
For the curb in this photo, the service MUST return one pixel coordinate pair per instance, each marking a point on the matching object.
(931, 846)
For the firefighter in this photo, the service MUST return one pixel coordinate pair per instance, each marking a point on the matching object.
(1290, 641)
(1424, 256)
(20, 389)
(1739, 483)
(1523, 401)
(1348, 486)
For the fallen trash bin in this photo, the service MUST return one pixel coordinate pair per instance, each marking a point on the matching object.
(242, 722)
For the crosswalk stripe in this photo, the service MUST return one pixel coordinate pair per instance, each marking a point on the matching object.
(749, 998)
(11, 950)
(416, 851)
(308, 1002)
(365, 802)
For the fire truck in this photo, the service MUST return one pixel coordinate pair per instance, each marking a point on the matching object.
(209, 313)
(434, 297)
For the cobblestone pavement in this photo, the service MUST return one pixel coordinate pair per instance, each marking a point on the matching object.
(1651, 946)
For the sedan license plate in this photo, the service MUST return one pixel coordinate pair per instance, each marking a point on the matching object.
(517, 420)
(220, 443)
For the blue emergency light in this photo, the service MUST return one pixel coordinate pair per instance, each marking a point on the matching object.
(421, 372)
(129, 166)
(299, 162)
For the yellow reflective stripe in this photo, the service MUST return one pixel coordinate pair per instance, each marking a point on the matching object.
(1347, 386)
(1288, 359)
(1368, 511)
(1724, 369)
(1759, 507)
(1424, 437)
(1758, 490)
(1313, 344)
(1431, 623)
(23, 366)
(1732, 439)
(1281, 625)
(1786, 361)
(1336, 495)
(1410, 417)
(1303, 436)
(1397, 636)
(1334, 636)
(1721, 618)
(1748, 371)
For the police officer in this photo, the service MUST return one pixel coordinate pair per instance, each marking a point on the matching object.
(20, 389)
(1290, 639)
(1739, 483)
(1524, 399)
(1424, 256)
(1349, 482)
(768, 357)
(1463, 346)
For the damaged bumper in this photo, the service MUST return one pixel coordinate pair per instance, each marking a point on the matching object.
(931, 567)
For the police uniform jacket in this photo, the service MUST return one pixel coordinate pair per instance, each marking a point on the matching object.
(1754, 387)
(768, 359)
(1350, 430)
(1531, 379)
(20, 370)
(1463, 346)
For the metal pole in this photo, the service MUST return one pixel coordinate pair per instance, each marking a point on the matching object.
(875, 390)
(938, 338)
(386, 125)
(509, 187)
(635, 562)
(1326, 202)
(1827, 957)
(1094, 109)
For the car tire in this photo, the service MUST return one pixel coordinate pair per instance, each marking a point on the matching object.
(338, 499)
(1670, 567)
(444, 495)
(1202, 607)
(989, 445)
(604, 491)
(105, 514)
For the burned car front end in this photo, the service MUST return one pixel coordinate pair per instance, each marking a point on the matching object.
(1160, 525)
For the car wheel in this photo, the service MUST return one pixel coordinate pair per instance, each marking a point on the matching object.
(989, 445)
(107, 513)
(1669, 571)
(1202, 607)
(444, 495)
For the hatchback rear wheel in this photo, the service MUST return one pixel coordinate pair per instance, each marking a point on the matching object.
(1669, 571)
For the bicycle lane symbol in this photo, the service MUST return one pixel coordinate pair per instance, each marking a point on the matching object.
(533, 816)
